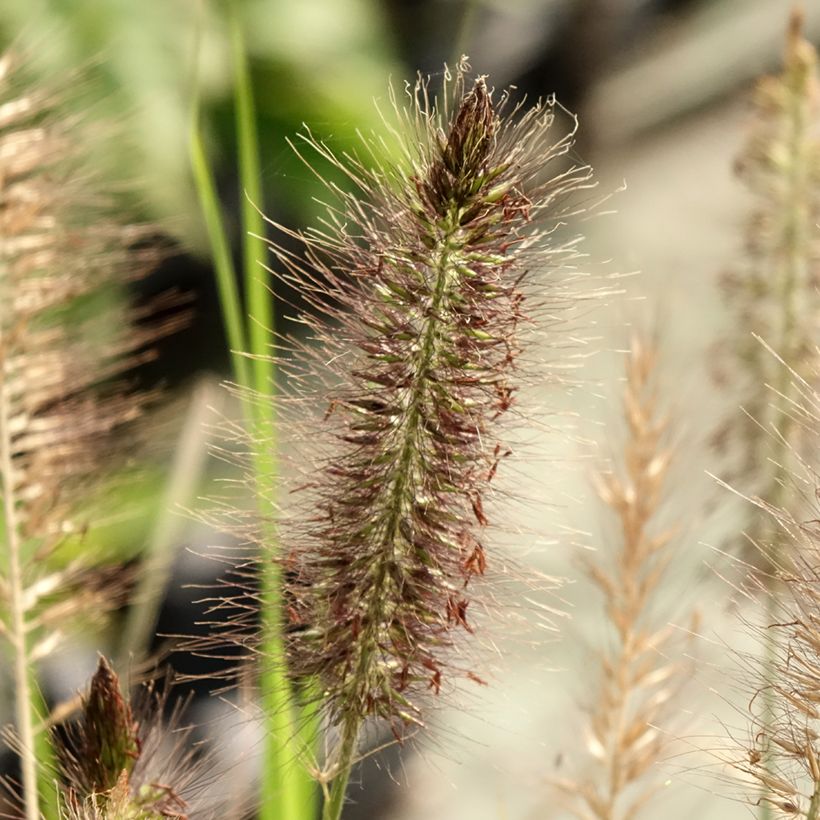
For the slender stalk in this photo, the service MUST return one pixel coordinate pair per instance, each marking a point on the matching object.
(814, 806)
(284, 780)
(22, 682)
(45, 753)
(334, 805)
(283, 775)
(309, 732)
(792, 281)
(250, 327)
(280, 782)
(261, 328)
(186, 472)
(220, 250)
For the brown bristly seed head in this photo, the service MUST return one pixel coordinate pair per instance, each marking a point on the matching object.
(417, 281)
(110, 745)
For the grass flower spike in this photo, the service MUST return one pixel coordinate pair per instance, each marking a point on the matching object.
(124, 764)
(775, 301)
(630, 716)
(775, 296)
(418, 283)
(62, 255)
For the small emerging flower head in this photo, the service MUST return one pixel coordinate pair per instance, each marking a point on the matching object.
(129, 764)
(109, 732)
(426, 268)
(465, 152)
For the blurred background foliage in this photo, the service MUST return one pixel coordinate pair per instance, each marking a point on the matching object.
(660, 89)
(627, 66)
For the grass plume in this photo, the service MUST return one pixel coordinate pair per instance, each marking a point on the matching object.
(417, 280)
(774, 295)
(774, 298)
(60, 355)
(640, 674)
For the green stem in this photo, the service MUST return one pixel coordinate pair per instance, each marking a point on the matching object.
(309, 728)
(232, 314)
(792, 280)
(334, 805)
(285, 783)
(282, 779)
(261, 330)
(45, 753)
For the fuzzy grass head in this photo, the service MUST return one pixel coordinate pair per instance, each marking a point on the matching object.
(420, 282)
(772, 293)
(132, 763)
(66, 342)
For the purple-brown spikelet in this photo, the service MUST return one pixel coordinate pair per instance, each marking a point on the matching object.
(109, 733)
(134, 764)
(418, 284)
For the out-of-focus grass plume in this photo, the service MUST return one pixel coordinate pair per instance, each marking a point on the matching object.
(632, 708)
(773, 294)
(307, 59)
(64, 345)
